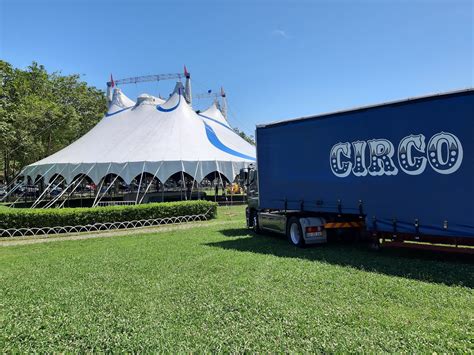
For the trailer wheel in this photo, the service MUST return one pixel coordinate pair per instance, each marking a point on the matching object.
(294, 232)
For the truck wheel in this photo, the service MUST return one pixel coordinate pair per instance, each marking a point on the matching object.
(294, 232)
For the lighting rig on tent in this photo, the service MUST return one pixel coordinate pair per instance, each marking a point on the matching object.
(216, 95)
(149, 78)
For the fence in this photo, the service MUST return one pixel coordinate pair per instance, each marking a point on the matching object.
(115, 203)
(96, 227)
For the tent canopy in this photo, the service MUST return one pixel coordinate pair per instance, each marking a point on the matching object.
(154, 136)
(214, 113)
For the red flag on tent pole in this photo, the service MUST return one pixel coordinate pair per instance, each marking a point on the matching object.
(112, 82)
(186, 74)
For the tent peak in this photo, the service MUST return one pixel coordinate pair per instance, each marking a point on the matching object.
(120, 100)
(178, 89)
(149, 99)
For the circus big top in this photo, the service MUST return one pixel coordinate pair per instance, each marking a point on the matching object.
(151, 136)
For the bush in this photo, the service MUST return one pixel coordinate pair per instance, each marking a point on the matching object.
(28, 218)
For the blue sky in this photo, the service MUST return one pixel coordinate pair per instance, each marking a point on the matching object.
(276, 59)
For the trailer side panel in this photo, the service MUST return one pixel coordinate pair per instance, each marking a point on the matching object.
(404, 164)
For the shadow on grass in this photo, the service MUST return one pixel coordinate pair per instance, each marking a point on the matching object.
(420, 265)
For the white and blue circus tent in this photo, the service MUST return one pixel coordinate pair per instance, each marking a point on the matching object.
(151, 136)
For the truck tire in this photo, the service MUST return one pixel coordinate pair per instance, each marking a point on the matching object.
(294, 232)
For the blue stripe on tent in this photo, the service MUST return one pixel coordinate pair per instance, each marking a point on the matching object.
(215, 141)
(114, 113)
(159, 108)
(216, 121)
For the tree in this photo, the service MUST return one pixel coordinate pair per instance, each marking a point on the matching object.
(41, 112)
(249, 138)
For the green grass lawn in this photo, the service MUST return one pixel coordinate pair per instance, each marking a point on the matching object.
(222, 288)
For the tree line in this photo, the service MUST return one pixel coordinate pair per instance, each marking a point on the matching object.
(41, 112)
(248, 138)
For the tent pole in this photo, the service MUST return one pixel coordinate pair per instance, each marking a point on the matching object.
(13, 181)
(232, 186)
(13, 204)
(111, 184)
(98, 190)
(182, 183)
(70, 194)
(18, 186)
(140, 183)
(198, 190)
(10, 184)
(101, 184)
(163, 192)
(221, 181)
(52, 202)
(199, 183)
(215, 190)
(194, 179)
(39, 199)
(75, 188)
(154, 175)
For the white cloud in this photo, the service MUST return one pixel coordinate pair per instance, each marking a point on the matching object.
(280, 33)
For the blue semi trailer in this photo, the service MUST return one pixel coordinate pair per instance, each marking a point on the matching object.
(399, 171)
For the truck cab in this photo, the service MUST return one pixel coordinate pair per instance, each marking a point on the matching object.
(300, 228)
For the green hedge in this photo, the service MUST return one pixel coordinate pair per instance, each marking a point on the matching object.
(28, 218)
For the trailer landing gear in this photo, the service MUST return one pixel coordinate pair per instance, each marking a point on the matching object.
(252, 220)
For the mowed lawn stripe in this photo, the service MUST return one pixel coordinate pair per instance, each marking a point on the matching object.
(221, 288)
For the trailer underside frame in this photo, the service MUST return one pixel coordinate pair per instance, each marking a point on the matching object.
(452, 244)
